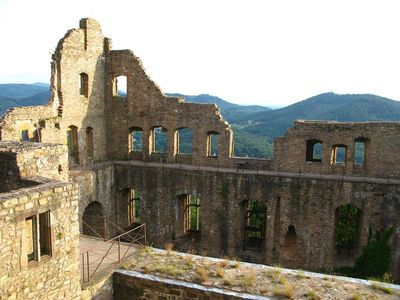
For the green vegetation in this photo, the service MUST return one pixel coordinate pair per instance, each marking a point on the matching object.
(347, 226)
(374, 260)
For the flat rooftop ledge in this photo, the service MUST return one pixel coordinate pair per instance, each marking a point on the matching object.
(151, 268)
(41, 184)
(192, 286)
(348, 178)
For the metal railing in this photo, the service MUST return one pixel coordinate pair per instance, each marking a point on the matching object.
(126, 239)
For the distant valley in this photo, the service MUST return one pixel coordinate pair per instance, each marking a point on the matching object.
(255, 126)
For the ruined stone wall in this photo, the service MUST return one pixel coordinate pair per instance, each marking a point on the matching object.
(146, 107)
(55, 276)
(80, 51)
(305, 203)
(381, 155)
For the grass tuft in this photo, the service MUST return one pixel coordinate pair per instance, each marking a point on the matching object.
(285, 291)
(203, 275)
(168, 247)
(385, 289)
(220, 272)
(355, 297)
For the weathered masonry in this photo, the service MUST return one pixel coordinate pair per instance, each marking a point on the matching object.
(141, 157)
(39, 230)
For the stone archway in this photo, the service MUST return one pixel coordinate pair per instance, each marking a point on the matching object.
(93, 220)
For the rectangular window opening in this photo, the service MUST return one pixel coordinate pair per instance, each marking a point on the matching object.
(359, 153)
(338, 155)
(134, 207)
(38, 236)
(136, 140)
(192, 213)
(212, 145)
(254, 225)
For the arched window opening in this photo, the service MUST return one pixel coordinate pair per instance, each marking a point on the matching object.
(134, 209)
(348, 219)
(120, 86)
(89, 143)
(212, 144)
(158, 140)
(314, 150)
(84, 85)
(93, 220)
(183, 141)
(191, 206)
(359, 151)
(254, 225)
(338, 155)
(135, 139)
(72, 142)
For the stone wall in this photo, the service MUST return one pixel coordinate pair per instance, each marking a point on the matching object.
(96, 184)
(134, 285)
(33, 159)
(146, 107)
(52, 276)
(307, 204)
(381, 144)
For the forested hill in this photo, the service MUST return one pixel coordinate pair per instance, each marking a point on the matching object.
(23, 95)
(328, 106)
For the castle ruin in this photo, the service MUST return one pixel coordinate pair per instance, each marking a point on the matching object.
(94, 156)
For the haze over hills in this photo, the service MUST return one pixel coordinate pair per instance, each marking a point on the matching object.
(255, 126)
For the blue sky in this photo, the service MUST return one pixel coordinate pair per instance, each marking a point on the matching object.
(248, 52)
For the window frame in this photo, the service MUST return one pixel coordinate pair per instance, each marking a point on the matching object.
(84, 84)
(42, 241)
(334, 155)
(212, 144)
(132, 139)
(188, 207)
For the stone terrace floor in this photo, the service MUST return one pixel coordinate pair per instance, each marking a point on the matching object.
(229, 275)
(97, 250)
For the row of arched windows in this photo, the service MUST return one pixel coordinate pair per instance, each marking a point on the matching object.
(158, 141)
(338, 152)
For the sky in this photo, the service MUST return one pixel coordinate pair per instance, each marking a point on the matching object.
(264, 52)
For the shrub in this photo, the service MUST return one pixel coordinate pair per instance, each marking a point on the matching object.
(374, 260)
(375, 257)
